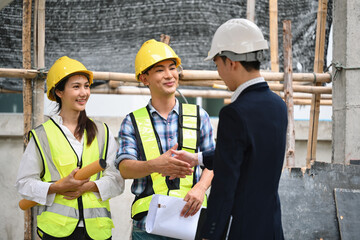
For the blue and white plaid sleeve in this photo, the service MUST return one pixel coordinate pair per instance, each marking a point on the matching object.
(127, 142)
(207, 141)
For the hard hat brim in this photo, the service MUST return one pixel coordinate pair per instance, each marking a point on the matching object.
(152, 52)
(208, 58)
(89, 74)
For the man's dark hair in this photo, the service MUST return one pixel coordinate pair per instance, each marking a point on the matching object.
(249, 66)
(146, 71)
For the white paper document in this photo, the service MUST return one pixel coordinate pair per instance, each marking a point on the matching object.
(164, 218)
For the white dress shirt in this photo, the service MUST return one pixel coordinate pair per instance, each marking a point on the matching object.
(30, 186)
(245, 85)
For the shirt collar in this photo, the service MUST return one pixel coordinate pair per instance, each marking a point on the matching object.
(57, 119)
(245, 85)
(175, 108)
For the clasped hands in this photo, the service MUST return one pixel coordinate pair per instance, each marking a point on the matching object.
(176, 163)
(70, 187)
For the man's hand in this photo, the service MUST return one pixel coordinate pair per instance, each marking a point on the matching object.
(167, 165)
(194, 199)
(191, 158)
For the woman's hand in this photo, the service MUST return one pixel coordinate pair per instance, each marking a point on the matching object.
(68, 184)
(86, 187)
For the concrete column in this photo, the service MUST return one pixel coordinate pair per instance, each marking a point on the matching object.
(346, 86)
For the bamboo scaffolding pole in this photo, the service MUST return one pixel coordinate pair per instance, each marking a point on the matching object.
(192, 75)
(18, 73)
(297, 101)
(114, 76)
(39, 61)
(220, 84)
(27, 98)
(324, 102)
(119, 79)
(9, 91)
(165, 38)
(202, 83)
(274, 43)
(103, 89)
(186, 76)
(299, 98)
(288, 93)
(304, 89)
(115, 84)
(250, 10)
(296, 88)
(318, 68)
(191, 78)
(304, 96)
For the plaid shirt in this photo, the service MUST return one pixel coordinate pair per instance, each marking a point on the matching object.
(167, 130)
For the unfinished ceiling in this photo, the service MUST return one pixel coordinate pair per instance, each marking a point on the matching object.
(105, 35)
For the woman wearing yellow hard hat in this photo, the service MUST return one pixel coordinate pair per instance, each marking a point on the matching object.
(58, 148)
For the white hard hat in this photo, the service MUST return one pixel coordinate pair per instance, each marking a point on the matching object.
(238, 37)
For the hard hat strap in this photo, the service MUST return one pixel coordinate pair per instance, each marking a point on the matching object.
(246, 57)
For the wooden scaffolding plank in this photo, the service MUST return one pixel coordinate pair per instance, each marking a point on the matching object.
(318, 68)
(27, 97)
(288, 94)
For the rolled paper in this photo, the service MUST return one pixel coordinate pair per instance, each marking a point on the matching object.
(82, 174)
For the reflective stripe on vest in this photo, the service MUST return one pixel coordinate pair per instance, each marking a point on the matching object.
(150, 148)
(59, 159)
(74, 213)
(189, 123)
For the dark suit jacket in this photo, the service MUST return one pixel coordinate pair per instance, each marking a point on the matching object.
(248, 162)
(208, 159)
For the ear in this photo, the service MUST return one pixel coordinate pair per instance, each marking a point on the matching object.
(236, 65)
(143, 79)
(232, 64)
(58, 93)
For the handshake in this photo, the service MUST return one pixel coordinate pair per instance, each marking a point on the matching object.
(191, 158)
(175, 163)
(179, 163)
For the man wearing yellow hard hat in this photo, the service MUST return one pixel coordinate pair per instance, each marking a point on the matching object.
(71, 208)
(148, 135)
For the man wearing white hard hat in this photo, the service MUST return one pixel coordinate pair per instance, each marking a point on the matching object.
(251, 139)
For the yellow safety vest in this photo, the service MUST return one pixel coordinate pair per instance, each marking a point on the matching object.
(150, 148)
(59, 159)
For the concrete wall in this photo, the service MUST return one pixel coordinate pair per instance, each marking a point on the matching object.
(11, 149)
(346, 87)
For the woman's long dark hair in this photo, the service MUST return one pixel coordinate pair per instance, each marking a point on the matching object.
(84, 123)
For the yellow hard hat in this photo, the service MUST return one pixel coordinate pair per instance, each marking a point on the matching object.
(62, 68)
(152, 52)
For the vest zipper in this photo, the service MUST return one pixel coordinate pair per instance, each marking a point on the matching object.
(79, 164)
(81, 210)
